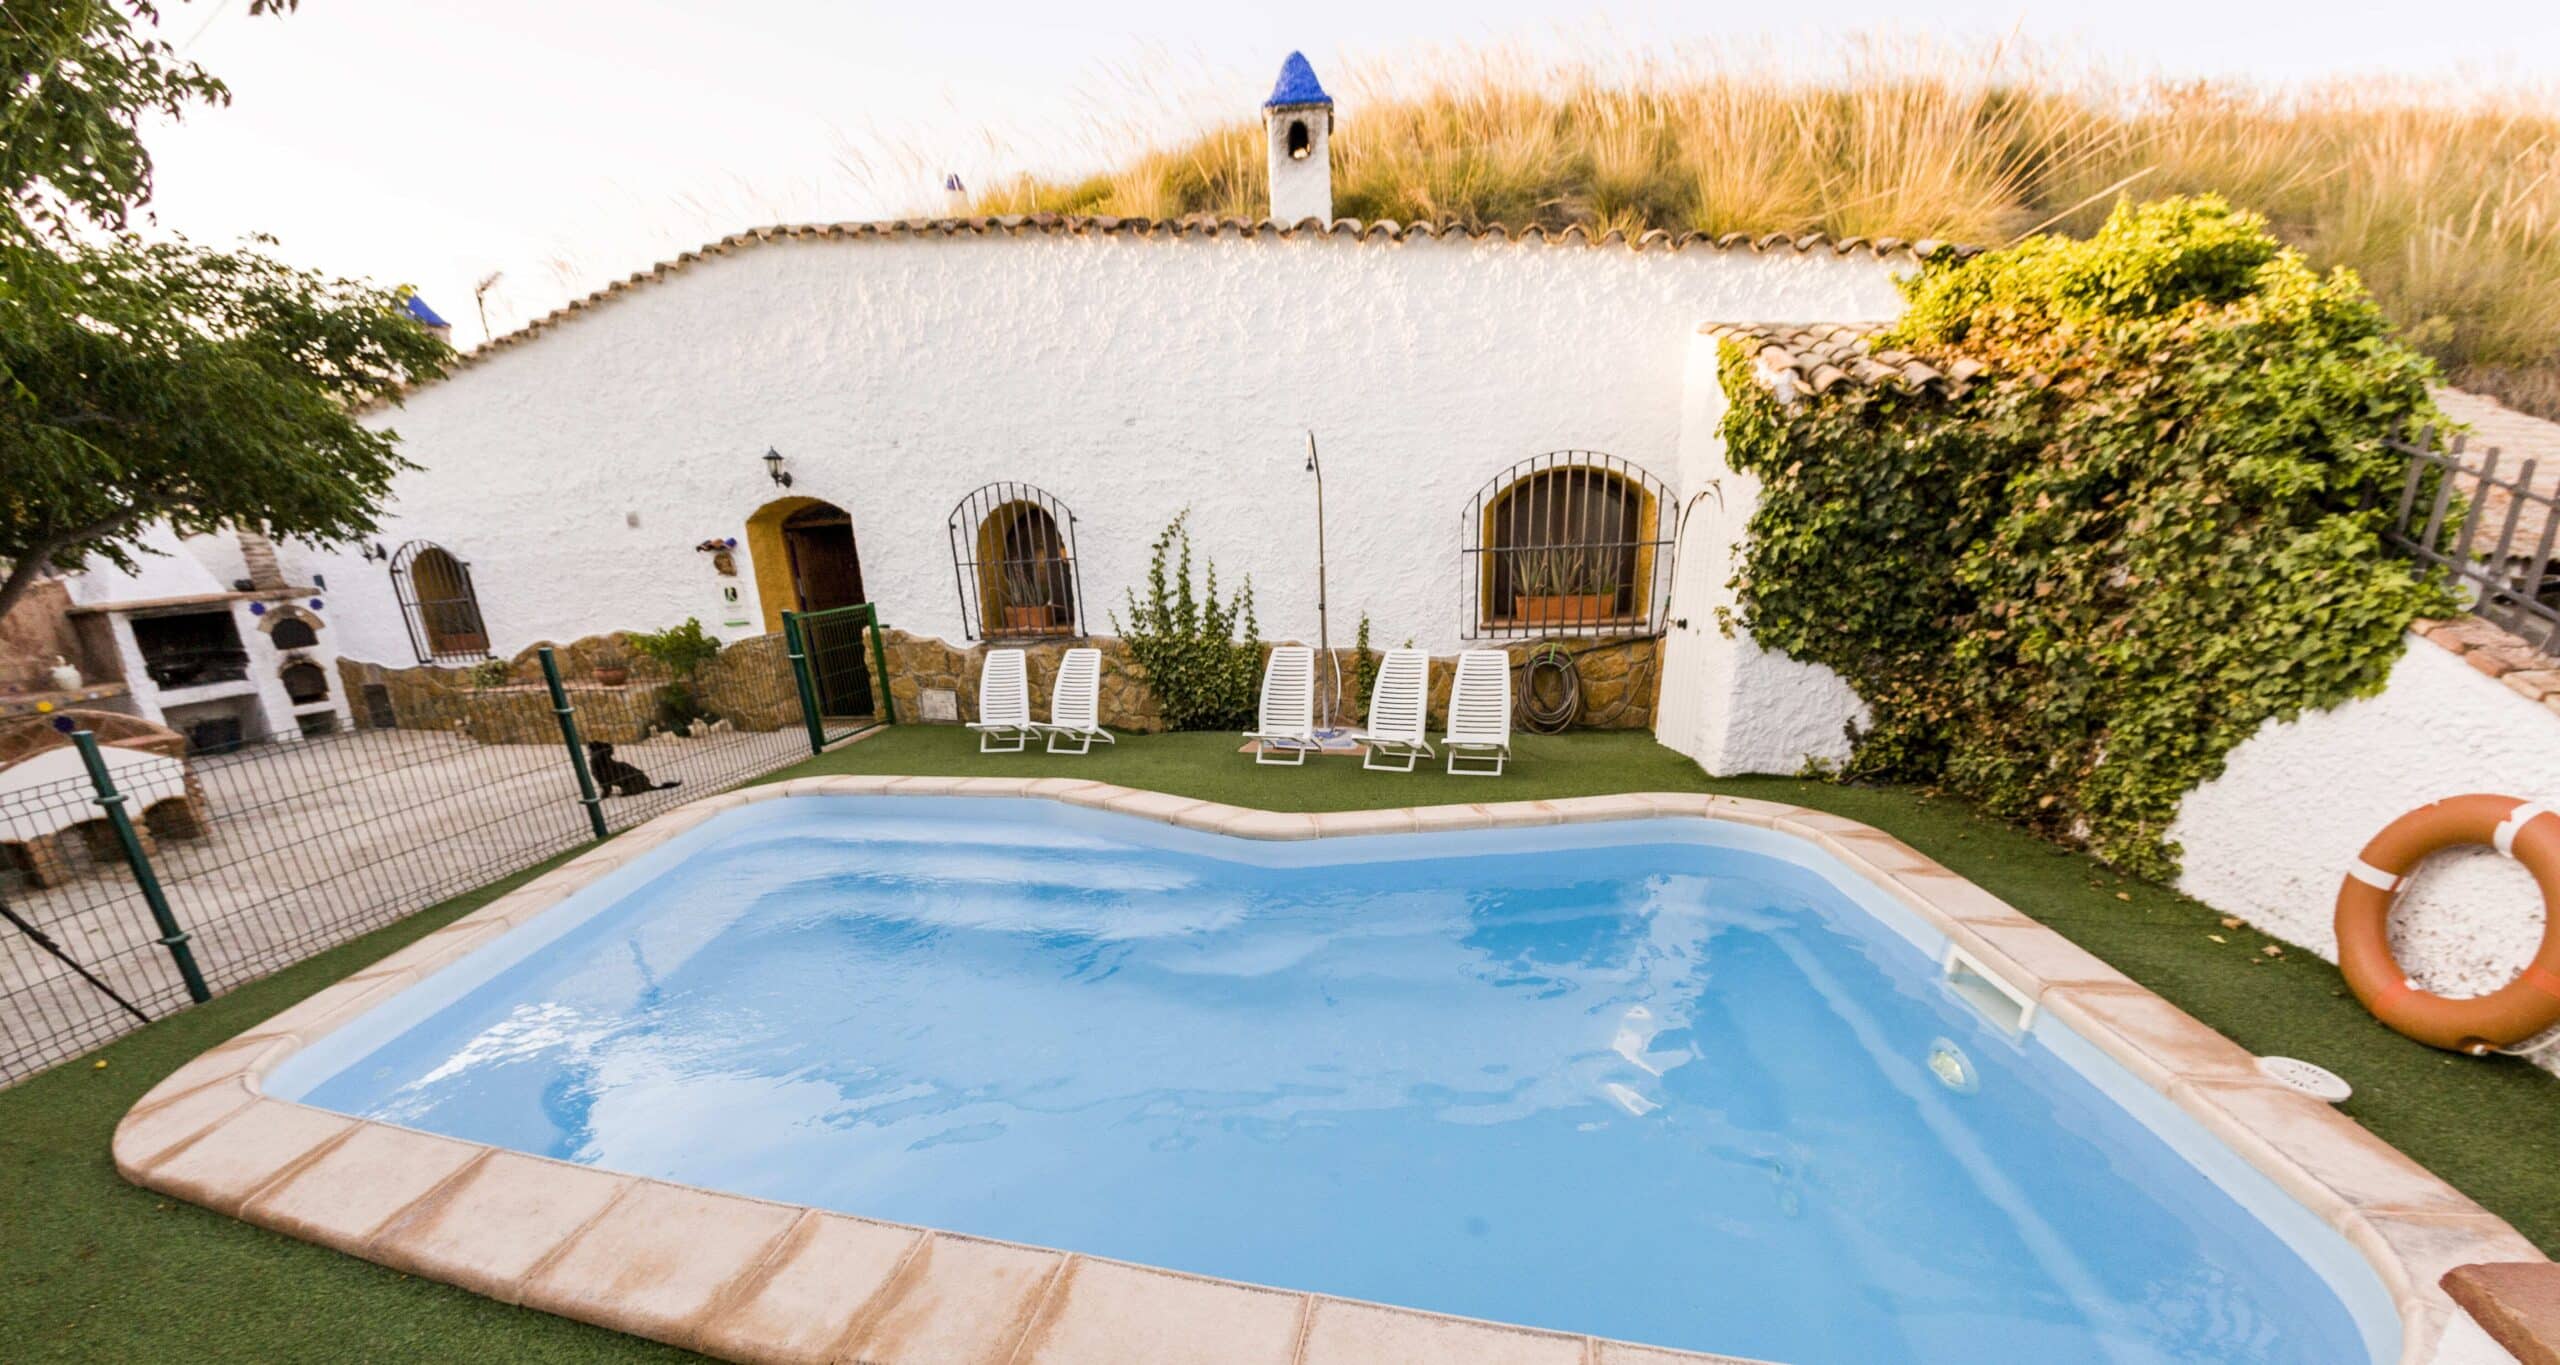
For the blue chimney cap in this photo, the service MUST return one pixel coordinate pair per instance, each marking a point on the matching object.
(1298, 85)
(417, 308)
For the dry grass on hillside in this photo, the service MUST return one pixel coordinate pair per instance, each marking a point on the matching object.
(2446, 199)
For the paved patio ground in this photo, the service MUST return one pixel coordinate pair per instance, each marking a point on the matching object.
(311, 844)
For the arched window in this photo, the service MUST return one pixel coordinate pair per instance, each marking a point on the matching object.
(1013, 551)
(1572, 542)
(436, 600)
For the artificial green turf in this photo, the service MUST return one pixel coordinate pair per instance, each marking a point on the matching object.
(96, 1269)
(99, 1270)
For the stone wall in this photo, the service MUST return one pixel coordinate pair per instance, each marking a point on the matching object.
(38, 628)
(749, 686)
(1620, 679)
(919, 663)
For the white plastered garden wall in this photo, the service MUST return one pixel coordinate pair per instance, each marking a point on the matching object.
(1133, 377)
(2269, 839)
(1726, 702)
(1130, 377)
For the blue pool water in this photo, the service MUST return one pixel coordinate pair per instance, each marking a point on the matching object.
(1666, 1081)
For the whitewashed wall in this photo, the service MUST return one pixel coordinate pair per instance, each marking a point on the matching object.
(2270, 838)
(1726, 702)
(1130, 377)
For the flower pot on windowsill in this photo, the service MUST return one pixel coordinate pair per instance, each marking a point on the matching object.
(1039, 620)
(1578, 609)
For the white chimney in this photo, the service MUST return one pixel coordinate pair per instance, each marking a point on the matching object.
(1298, 122)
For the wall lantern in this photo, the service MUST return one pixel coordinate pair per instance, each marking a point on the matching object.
(773, 463)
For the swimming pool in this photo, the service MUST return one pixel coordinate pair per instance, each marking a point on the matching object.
(1675, 1081)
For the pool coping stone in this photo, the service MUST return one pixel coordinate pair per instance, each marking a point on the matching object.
(722, 1273)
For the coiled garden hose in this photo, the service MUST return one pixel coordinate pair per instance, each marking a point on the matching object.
(1550, 691)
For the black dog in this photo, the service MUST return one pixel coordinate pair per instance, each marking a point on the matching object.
(617, 777)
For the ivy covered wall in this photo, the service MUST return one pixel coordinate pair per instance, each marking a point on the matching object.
(2070, 589)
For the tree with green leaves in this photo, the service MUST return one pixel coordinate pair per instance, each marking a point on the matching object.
(148, 382)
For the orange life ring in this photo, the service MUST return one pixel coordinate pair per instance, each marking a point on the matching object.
(2526, 831)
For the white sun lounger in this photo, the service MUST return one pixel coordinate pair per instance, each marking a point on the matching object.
(1004, 704)
(1075, 703)
(1399, 713)
(1480, 714)
(1285, 725)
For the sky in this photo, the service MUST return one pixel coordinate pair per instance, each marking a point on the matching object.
(560, 144)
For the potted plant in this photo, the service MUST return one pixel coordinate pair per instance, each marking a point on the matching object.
(1555, 585)
(1027, 609)
(612, 668)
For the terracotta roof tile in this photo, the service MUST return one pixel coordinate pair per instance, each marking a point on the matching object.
(1818, 357)
(1350, 229)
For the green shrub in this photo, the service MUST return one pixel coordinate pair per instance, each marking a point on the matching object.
(2154, 525)
(1199, 654)
(1364, 666)
(682, 651)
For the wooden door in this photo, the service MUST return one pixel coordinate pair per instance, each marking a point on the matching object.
(826, 572)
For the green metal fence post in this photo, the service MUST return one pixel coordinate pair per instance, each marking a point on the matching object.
(794, 643)
(880, 669)
(569, 736)
(171, 936)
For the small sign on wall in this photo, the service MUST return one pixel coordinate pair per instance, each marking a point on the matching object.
(733, 608)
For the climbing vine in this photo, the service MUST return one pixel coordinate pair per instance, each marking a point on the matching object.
(1200, 654)
(2152, 525)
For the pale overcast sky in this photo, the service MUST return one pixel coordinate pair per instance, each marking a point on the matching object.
(567, 142)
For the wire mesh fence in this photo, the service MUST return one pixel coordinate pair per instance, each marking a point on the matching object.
(271, 851)
(733, 718)
(80, 960)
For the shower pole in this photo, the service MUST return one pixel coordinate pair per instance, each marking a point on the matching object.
(1324, 638)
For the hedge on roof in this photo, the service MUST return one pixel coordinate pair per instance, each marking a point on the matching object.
(2154, 524)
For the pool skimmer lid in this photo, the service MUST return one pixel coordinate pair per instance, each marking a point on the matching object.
(2318, 1082)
